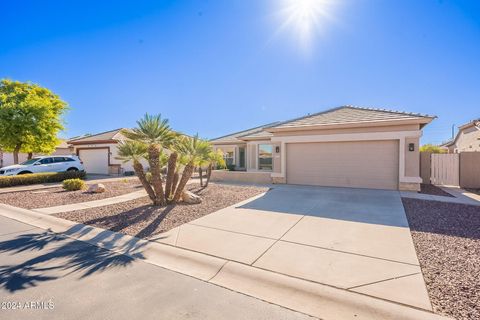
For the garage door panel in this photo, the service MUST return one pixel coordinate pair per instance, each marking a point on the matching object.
(95, 160)
(365, 164)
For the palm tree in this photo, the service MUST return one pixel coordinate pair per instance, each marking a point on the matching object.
(195, 151)
(135, 151)
(155, 132)
(202, 164)
(170, 182)
(215, 159)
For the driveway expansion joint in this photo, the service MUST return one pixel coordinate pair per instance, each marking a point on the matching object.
(384, 280)
(348, 252)
(225, 230)
(263, 253)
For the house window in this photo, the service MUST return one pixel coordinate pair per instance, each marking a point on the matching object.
(265, 159)
(229, 158)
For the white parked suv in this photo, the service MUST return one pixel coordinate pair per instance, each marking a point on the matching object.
(44, 164)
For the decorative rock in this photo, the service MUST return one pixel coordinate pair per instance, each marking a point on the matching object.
(97, 188)
(191, 198)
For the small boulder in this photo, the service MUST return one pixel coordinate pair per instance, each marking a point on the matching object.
(97, 188)
(190, 197)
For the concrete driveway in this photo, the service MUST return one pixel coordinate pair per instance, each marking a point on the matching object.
(353, 239)
(62, 278)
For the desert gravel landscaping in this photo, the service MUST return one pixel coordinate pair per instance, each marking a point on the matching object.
(433, 190)
(447, 241)
(141, 219)
(50, 197)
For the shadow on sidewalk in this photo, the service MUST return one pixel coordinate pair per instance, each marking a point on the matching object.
(55, 256)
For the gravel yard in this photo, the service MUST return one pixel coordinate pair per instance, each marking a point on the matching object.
(447, 241)
(51, 197)
(139, 218)
(433, 190)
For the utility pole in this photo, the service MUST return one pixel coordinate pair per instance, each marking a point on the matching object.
(453, 131)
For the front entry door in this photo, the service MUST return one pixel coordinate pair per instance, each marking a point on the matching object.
(241, 159)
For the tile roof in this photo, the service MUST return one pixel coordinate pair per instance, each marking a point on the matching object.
(63, 144)
(349, 114)
(256, 135)
(107, 135)
(234, 137)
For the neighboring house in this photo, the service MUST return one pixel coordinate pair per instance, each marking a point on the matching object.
(99, 151)
(341, 147)
(6, 158)
(467, 138)
(63, 149)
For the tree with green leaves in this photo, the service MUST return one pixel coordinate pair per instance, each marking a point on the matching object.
(196, 151)
(155, 133)
(432, 149)
(30, 118)
(135, 151)
(216, 159)
(165, 151)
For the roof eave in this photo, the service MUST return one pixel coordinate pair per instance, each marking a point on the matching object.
(217, 143)
(255, 138)
(377, 123)
(78, 143)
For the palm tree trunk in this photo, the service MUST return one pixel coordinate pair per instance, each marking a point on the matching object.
(186, 175)
(176, 176)
(172, 164)
(154, 162)
(137, 166)
(201, 176)
(209, 174)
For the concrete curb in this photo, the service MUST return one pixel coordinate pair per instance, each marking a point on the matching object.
(301, 295)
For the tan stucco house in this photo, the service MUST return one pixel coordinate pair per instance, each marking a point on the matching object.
(467, 138)
(6, 158)
(343, 147)
(99, 151)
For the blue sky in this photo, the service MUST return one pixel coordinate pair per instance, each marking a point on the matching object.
(214, 67)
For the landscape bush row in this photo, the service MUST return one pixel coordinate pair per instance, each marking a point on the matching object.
(34, 178)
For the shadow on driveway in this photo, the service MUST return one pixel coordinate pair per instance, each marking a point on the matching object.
(51, 256)
(382, 207)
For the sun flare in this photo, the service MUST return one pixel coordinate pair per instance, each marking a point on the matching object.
(305, 19)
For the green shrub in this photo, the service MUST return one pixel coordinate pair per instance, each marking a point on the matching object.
(231, 167)
(74, 184)
(35, 178)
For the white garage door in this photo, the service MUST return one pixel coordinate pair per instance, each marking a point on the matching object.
(358, 164)
(95, 160)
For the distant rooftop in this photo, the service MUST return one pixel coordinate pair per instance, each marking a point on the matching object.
(102, 136)
(234, 137)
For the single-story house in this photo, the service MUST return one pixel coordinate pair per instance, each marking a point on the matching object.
(99, 151)
(467, 138)
(342, 147)
(6, 158)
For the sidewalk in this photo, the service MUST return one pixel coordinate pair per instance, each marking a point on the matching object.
(76, 280)
(92, 204)
(91, 180)
(129, 287)
(95, 203)
(460, 196)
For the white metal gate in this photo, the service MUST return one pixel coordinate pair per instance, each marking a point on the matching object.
(445, 169)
